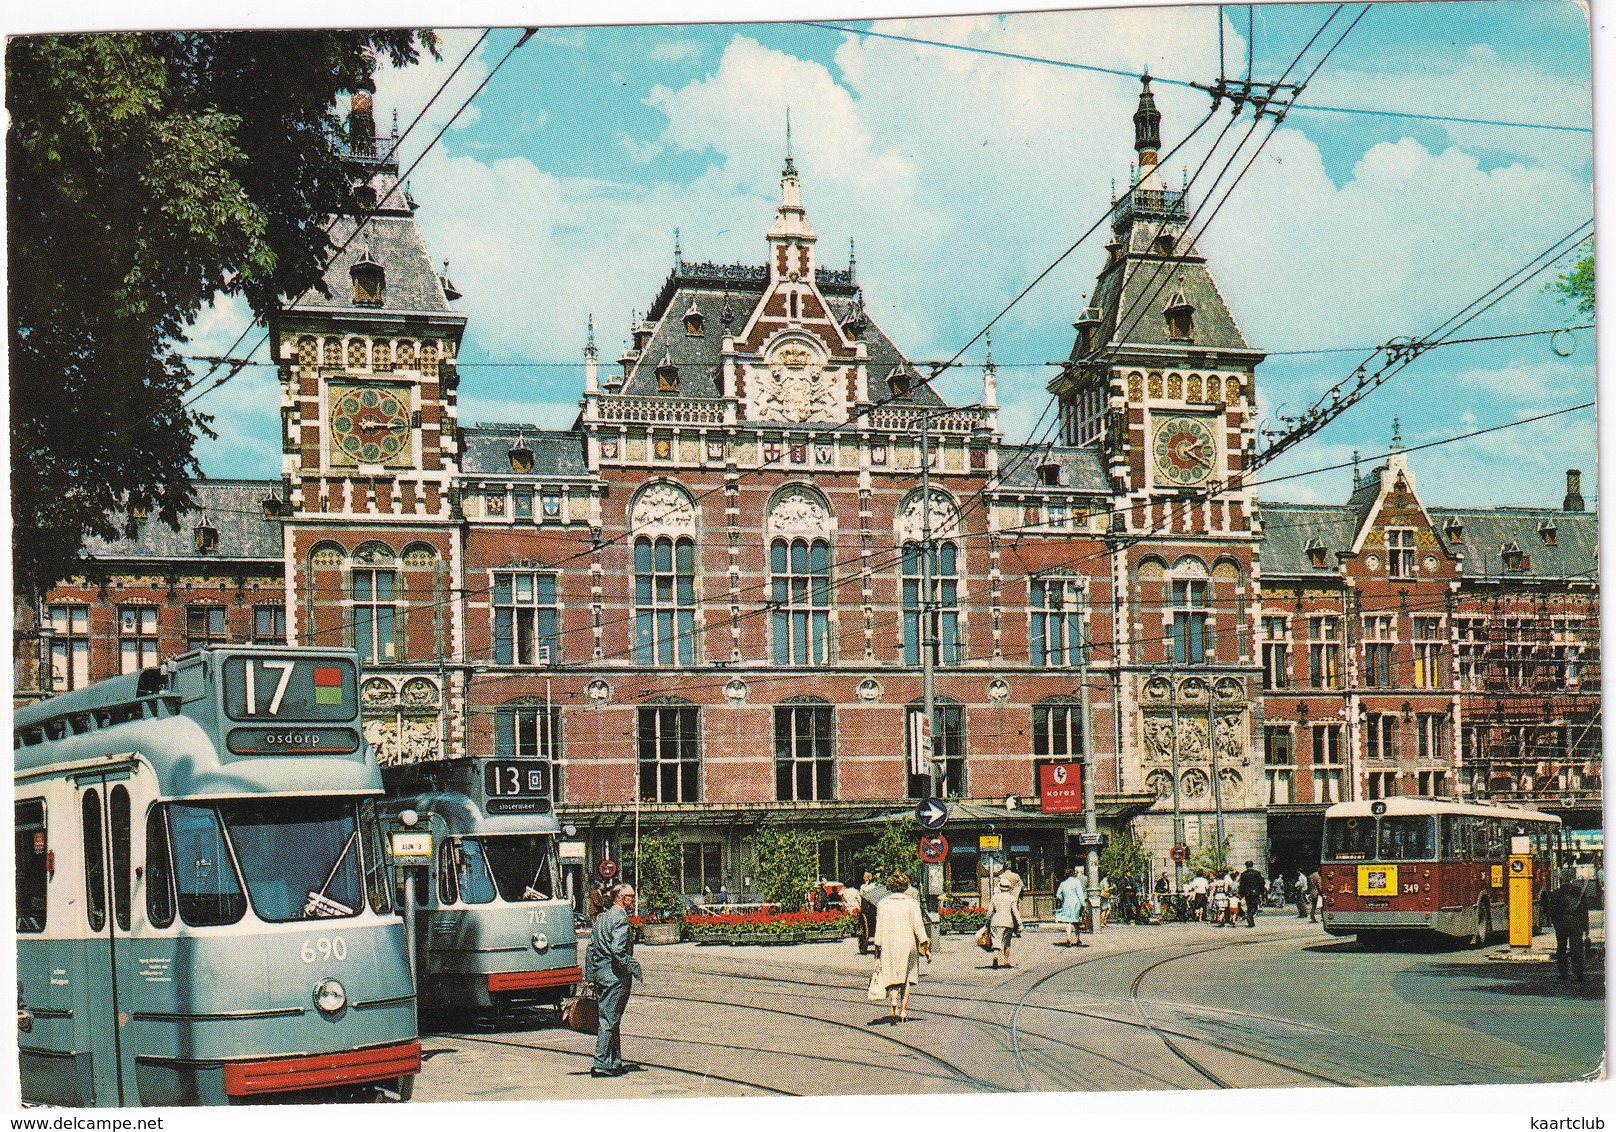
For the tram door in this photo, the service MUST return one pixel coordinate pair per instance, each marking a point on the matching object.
(106, 809)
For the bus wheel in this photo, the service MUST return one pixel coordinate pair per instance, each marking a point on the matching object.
(1484, 924)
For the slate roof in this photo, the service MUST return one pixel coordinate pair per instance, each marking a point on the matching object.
(1081, 468)
(698, 358)
(486, 450)
(1288, 529)
(235, 508)
(394, 242)
(1574, 556)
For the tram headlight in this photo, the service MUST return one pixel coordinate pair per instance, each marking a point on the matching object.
(541, 942)
(330, 996)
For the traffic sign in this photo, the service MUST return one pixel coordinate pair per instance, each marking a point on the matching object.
(933, 848)
(1181, 853)
(932, 813)
(607, 869)
(1091, 841)
(988, 841)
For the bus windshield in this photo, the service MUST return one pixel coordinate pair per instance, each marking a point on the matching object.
(299, 857)
(520, 864)
(1349, 839)
(1407, 837)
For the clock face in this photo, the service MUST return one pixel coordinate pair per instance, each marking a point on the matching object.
(368, 426)
(1184, 451)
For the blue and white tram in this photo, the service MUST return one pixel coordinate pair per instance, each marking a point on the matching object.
(203, 914)
(494, 925)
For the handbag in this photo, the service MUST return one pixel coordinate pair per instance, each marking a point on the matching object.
(581, 1012)
(984, 938)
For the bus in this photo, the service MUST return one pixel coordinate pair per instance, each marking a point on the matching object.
(494, 926)
(203, 907)
(1428, 865)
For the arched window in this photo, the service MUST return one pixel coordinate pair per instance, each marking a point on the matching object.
(801, 600)
(665, 601)
(945, 603)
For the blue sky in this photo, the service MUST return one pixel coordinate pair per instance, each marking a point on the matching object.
(962, 175)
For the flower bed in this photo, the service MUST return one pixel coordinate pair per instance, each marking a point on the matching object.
(968, 919)
(768, 926)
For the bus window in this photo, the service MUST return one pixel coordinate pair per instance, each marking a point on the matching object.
(119, 828)
(204, 875)
(29, 843)
(159, 877)
(1455, 837)
(1407, 837)
(1349, 839)
(95, 862)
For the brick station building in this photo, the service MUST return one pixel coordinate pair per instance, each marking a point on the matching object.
(701, 603)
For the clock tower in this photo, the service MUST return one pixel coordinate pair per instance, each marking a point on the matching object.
(1160, 382)
(369, 456)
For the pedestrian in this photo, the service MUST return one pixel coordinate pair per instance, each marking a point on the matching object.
(816, 897)
(1016, 887)
(723, 895)
(706, 896)
(1199, 887)
(1004, 920)
(599, 899)
(1252, 889)
(871, 894)
(610, 967)
(1105, 901)
(852, 903)
(900, 940)
(1315, 895)
(1218, 897)
(1130, 899)
(1566, 906)
(1069, 900)
(1299, 888)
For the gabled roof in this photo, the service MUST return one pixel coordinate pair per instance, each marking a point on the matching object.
(1573, 557)
(234, 508)
(1082, 469)
(394, 243)
(1289, 529)
(486, 451)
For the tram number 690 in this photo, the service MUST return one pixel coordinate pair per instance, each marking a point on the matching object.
(317, 949)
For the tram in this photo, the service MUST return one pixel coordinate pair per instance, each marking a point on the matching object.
(203, 914)
(1428, 865)
(494, 925)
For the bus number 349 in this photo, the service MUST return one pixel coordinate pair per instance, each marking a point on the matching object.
(316, 949)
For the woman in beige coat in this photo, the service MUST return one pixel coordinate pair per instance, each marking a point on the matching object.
(900, 940)
(1004, 920)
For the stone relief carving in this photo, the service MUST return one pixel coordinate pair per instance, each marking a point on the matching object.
(376, 693)
(869, 690)
(797, 388)
(399, 741)
(1229, 782)
(944, 519)
(799, 511)
(736, 691)
(1158, 738)
(1194, 783)
(1159, 782)
(998, 689)
(1192, 738)
(420, 692)
(662, 506)
(1230, 737)
(599, 692)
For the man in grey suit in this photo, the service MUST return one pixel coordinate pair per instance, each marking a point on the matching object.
(611, 968)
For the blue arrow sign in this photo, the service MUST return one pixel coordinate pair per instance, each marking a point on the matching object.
(931, 813)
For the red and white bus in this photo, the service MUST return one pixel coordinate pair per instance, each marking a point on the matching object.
(1405, 865)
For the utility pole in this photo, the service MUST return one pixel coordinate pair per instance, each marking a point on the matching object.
(928, 642)
(1091, 824)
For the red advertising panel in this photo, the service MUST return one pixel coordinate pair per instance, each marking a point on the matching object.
(1060, 788)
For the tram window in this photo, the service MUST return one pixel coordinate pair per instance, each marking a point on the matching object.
(300, 858)
(95, 862)
(448, 890)
(30, 845)
(119, 828)
(1407, 837)
(375, 859)
(476, 886)
(1349, 839)
(204, 876)
(159, 877)
(521, 866)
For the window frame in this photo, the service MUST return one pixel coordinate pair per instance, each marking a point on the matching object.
(949, 644)
(665, 601)
(1065, 620)
(69, 646)
(525, 629)
(371, 611)
(791, 741)
(800, 586)
(654, 736)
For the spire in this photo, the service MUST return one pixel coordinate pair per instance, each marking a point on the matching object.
(590, 350)
(791, 237)
(678, 257)
(990, 379)
(1397, 435)
(791, 166)
(1147, 135)
(852, 262)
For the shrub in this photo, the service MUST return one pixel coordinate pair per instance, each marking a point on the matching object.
(893, 849)
(787, 866)
(659, 876)
(1123, 854)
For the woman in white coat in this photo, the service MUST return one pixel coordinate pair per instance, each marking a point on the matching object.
(900, 940)
(1004, 920)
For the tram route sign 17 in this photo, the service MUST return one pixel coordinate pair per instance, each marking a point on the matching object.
(933, 848)
(607, 869)
(932, 813)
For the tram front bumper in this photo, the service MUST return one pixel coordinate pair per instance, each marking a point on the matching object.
(534, 980)
(322, 1070)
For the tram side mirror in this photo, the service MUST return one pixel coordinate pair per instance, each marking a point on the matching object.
(409, 818)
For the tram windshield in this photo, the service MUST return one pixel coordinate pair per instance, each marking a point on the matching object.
(520, 864)
(299, 857)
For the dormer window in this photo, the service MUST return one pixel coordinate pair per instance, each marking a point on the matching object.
(1453, 531)
(1515, 559)
(272, 507)
(1548, 532)
(369, 282)
(1180, 319)
(364, 198)
(521, 457)
(1088, 323)
(1164, 245)
(1316, 557)
(1049, 474)
(899, 381)
(207, 537)
(694, 322)
(667, 376)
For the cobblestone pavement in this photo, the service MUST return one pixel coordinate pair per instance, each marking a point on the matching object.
(1178, 1006)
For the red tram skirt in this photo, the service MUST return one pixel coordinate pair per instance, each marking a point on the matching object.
(533, 980)
(318, 1071)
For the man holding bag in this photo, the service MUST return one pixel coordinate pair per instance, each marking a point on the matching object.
(611, 969)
